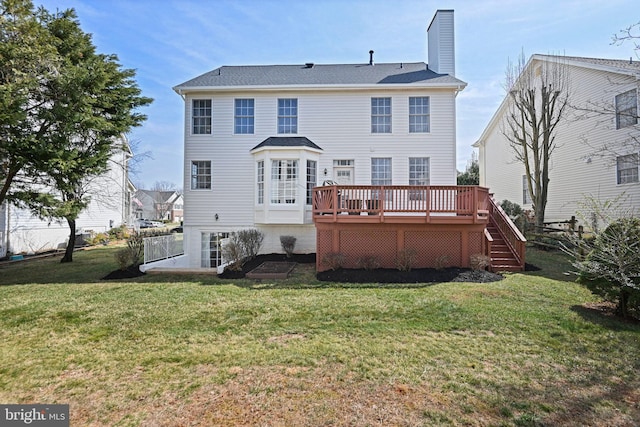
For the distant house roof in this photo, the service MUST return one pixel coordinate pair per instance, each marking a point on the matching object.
(414, 73)
(287, 141)
(613, 64)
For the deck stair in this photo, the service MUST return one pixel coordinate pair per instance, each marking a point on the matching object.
(508, 244)
(502, 257)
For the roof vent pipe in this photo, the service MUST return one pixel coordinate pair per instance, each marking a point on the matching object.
(370, 57)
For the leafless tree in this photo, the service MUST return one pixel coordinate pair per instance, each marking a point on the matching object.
(629, 34)
(538, 96)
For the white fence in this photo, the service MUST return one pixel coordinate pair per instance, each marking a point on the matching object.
(163, 247)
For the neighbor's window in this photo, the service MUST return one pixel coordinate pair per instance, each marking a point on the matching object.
(201, 116)
(419, 114)
(261, 182)
(288, 115)
(380, 115)
(244, 116)
(526, 197)
(626, 109)
(201, 175)
(284, 180)
(312, 167)
(627, 168)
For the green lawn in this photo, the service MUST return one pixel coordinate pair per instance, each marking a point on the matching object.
(195, 350)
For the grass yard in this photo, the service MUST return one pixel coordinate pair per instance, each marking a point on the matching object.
(182, 350)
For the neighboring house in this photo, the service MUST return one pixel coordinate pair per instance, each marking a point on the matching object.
(258, 139)
(597, 145)
(111, 206)
(159, 205)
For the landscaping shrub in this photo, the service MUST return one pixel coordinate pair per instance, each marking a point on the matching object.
(516, 213)
(334, 260)
(123, 258)
(135, 246)
(443, 261)
(98, 239)
(611, 268)
(119, 233)
(250, 241)
(368, 262)
(479, 261)
(288, 244)
(242, 245)
(406, 259)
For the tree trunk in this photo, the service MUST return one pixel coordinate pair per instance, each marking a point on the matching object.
(623, 303)
(68, 254)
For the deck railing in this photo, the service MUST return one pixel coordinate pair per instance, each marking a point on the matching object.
(509, 232)
(162, 247)
(459, 200)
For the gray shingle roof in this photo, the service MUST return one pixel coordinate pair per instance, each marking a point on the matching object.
(618, 64)
(287, 141)
(319, 75)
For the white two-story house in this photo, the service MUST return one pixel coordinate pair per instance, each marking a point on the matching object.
(258, 139)
(597, 145)
(111, 206)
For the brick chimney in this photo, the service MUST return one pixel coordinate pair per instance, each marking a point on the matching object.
(440, 43)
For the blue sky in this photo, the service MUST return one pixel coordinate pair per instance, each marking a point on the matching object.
(169, 42)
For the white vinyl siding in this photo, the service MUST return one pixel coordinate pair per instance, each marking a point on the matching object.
(627, 168)
(235, 195)
(201, 116)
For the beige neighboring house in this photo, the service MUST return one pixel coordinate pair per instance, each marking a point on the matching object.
(159, 205)
(597, 146)
(111, 206)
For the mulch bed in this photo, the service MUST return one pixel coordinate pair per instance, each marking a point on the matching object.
(129, 273)
(379, 275)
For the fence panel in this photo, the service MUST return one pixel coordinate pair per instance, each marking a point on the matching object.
(157, 248)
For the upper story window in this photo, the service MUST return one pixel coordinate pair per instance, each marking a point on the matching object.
(626, 109)
(419, 114)
(201, 175)
(627, 168)
(380, 115)
(288, 115)
(243, 122)
(526, 197)
(201, 117)
(284, 181)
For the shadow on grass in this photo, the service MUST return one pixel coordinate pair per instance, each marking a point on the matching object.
(604, 314)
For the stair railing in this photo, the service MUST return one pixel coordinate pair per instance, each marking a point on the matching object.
(508, 230)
